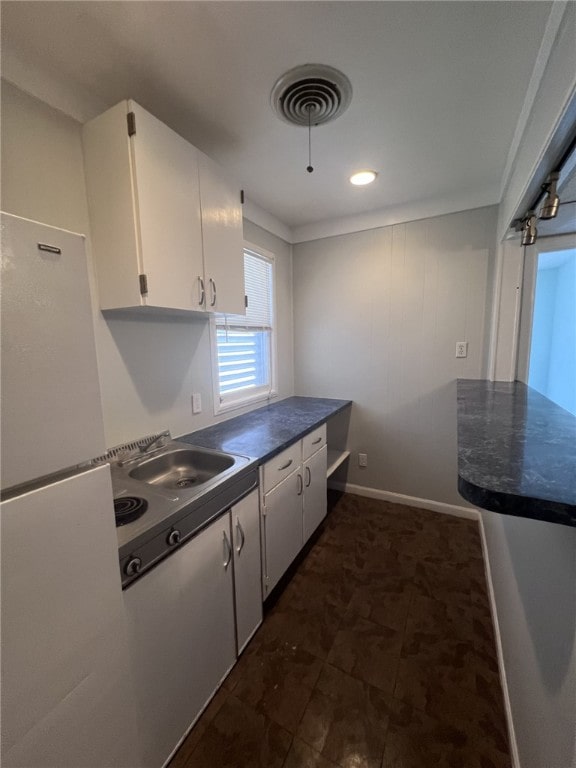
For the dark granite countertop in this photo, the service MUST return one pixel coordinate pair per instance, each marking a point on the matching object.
(264, 432)
(516, 451)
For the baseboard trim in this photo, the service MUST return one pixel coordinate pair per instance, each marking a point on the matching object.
(410, 501)
(501, 668)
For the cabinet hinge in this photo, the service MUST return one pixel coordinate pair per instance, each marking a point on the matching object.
(131, 117)
(143, 284)
(263, 511)
(242, 197)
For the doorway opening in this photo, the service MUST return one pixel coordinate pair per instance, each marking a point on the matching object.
(552, 360)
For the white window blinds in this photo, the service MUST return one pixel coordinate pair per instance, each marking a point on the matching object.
(258, 290)
(244, 341)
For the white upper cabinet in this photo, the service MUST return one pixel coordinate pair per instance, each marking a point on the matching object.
(165, 170)
(223, 239)
(153, 244)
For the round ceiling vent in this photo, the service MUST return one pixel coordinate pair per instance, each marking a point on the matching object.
(311, 94)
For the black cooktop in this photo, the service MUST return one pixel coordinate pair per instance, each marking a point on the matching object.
(129, 508)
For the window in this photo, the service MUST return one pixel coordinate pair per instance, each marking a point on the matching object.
(244, 345)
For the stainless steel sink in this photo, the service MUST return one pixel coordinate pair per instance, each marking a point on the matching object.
(182, 468)
(184, 486)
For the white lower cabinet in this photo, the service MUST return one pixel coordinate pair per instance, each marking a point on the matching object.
(247, 568)
(315, 500)
(293, 507)
(282, 528)
(182, 637)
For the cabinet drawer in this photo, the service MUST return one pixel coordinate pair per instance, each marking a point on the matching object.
(281, 466)
(313, 442)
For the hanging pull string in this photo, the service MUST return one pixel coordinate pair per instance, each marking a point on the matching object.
(309, 168)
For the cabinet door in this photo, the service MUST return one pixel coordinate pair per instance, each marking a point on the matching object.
(67, 697)
(158, 647)
(208, 610)
(282, 519)
(144, 203)
(247, 568)
(168, 205)
(223, 239)
(315, 495)
(181, 636)
(113, 218)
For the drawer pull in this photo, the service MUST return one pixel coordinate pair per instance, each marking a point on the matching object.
(285, 466)
(318, 440)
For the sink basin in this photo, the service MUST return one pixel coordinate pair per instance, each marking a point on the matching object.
(182, 468)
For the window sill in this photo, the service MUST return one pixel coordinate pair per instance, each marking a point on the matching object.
(235, 405)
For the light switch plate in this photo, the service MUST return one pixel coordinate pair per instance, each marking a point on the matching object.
(196, 403)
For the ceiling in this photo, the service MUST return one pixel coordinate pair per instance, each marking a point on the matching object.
(438, 89)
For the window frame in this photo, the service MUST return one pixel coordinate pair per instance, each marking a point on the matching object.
(244, 398)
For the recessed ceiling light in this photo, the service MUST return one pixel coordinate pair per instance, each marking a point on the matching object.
(363, 177)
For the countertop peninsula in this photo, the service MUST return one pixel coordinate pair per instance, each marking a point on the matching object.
(264, 432)
(516, 451)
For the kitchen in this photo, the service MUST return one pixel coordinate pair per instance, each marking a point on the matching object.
(400, 389)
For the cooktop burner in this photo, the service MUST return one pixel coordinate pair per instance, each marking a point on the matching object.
(129, 508)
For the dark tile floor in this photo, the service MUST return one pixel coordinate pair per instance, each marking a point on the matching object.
(379, 653)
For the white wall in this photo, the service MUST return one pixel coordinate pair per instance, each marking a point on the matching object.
(148, 368)
(377, 315)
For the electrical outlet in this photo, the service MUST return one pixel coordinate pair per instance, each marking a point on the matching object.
(461, 349)
(362, 459)
(196, 403)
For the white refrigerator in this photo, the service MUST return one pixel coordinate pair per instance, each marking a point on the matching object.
(66, 692)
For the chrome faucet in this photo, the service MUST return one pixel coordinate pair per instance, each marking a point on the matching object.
(146, 446)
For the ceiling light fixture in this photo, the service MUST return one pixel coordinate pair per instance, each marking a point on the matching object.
(311, 95)
(549, 209)
(361, 178)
